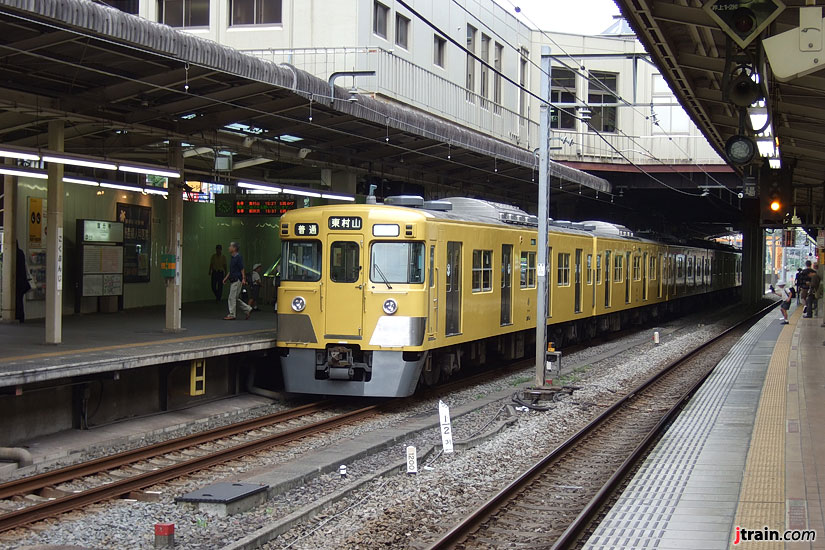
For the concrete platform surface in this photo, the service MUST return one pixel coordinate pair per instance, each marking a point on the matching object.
(686, 493)
(129, 339)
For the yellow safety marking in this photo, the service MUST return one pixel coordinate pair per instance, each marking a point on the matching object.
(762, 497)
(132, 345)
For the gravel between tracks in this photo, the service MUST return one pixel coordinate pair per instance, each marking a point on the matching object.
(396, 511)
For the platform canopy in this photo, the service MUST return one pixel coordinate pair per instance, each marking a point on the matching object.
(127, 86)
(692, 53)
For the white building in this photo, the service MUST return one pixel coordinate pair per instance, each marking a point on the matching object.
(419, 60)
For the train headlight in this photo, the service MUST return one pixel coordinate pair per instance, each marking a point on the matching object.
(390, 306)
(298, 304)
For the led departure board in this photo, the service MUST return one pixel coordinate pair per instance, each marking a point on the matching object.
(227, 205)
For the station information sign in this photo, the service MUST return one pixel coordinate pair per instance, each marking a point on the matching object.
(228, 205)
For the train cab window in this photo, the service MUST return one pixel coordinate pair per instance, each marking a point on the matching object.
(303, 261)
(618, 268)
(344, 262)
(397, 262)
(528, 270)
(482, 270)
(589, 269)
(598, 269)
(564, 269)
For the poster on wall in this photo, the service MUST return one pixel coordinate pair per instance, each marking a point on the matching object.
(36, 248)
(137, 241)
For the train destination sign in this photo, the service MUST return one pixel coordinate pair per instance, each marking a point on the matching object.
(343, 223)
(228, 205)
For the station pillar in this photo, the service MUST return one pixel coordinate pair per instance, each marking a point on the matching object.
(54, 239)
(8, 298)
(174, 240)
(753, 258)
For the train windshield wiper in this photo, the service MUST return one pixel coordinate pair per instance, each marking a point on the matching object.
(383, 277)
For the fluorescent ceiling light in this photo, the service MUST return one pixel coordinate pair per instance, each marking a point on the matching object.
(766, 147)
(155, 191)
(337, 197)
(290, 138)
(75, 161)
(119, 186)
(758, 116)
(258, 187)
(80, 181)
(302, 192)
(776, 164)
(23, 172)
(15, 154)
(149, 170)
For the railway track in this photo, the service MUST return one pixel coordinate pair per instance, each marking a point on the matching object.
(39, 497)
(550, 505)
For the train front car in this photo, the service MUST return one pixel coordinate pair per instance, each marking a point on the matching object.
(352, 304)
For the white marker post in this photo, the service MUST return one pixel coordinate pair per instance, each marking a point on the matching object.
(446, 428)
(412, 460)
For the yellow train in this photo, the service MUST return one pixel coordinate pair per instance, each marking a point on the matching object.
(376, 298)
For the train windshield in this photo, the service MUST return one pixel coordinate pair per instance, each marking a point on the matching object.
(301, 261)
(397, 262)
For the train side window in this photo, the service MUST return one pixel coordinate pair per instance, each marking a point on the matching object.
(528, 270)
(432, 266)
(637, 268)
(564, 269)
(482, 270)
(598, 269)
(652, 270)
(618, 268)
(590, 269)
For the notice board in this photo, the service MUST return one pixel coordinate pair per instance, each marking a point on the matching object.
(137, 241)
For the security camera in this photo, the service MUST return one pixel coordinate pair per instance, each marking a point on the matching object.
(798, 52)
(303, 152)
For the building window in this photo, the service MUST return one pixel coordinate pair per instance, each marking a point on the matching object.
(497, 65)
(471, 63)
(598, 269)
(482, 270)
(528, 270)
(637, 268)
(602, 99)
(380, 15)
(126, 6)
(618, 268)
(255, 12)
(184, 13)
(668, 117)
(564, 269)
(522, 81)
(402, 31)
(439, 51)
(563, 91)
(485, 71)
(590, 269)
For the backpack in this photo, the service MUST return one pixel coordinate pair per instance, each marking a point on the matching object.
(792, 292)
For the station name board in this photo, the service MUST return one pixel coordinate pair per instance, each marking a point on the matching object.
(228, 205)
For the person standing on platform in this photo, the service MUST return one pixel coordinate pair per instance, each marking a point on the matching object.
(21, 285)
(217, 269)
(814, 289)
(236, 278)
(798, 283)
(786, 298)
(255, 287)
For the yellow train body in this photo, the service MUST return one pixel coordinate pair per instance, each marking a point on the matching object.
(375, 297)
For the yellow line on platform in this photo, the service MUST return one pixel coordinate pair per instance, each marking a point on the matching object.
(762, 498)
(131, 345)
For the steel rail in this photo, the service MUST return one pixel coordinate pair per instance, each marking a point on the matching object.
(453, 537)
(44, 510)
(32, 484)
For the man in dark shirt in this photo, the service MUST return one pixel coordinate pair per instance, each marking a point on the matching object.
(236, 278)
(805, 276)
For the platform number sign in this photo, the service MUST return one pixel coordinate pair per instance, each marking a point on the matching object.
(446, 427)
(344, 223)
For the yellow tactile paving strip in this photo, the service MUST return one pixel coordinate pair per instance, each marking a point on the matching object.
(762, 497)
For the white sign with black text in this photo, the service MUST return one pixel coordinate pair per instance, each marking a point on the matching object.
(446, 428)
(412, 460)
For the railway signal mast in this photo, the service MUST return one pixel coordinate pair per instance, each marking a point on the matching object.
(543, 215)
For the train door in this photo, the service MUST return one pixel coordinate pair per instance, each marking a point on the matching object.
(506, 284)
(432, 296)
(453, 294)
(577, 280)
(628, 276)
(606, 278)
(661, 276)
(346, 288)
(645, 269)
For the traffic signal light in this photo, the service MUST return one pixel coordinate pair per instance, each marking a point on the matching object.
(743, 20)
(775, 196)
